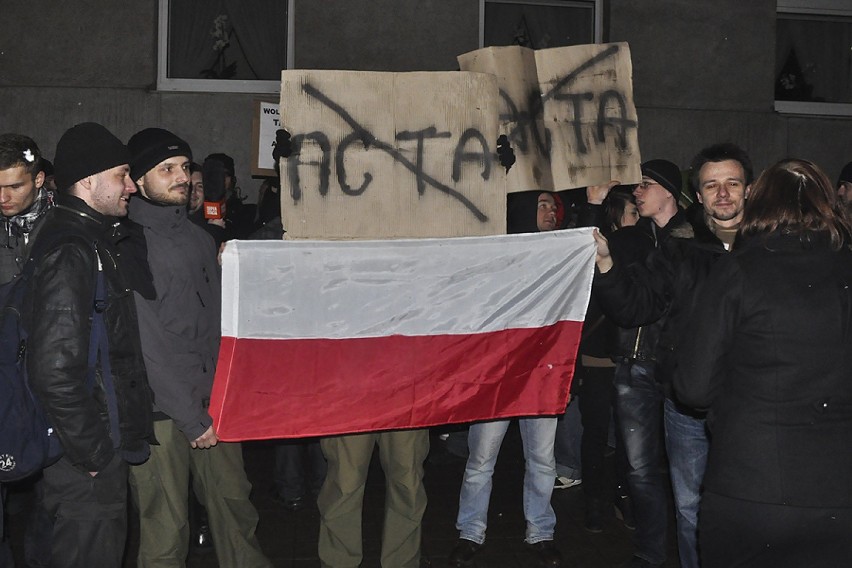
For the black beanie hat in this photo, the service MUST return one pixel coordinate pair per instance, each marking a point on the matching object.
(664, 173)
(845, 174)
(226, 160)
(151, 146)
(86, 149)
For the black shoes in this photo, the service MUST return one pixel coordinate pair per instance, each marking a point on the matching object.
(463, 553)
(292, 505)
(202, 537)
(624, 511)
(547, 555)
(637, 562)
(596, 516)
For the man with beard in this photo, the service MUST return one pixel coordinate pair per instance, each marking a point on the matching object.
(180, 342)
(661, 291)
(102, 416)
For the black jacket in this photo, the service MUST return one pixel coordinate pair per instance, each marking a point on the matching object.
(59, 303)
(659, 292)
(771, 356)
(629, 246)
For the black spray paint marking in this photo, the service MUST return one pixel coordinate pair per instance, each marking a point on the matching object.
(527, 121)
(368, 140)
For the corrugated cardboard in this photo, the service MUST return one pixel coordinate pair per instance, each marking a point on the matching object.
(568, 112)
(360, 130)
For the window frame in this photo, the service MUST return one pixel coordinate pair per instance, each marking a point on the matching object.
(815, 8)
(166, 83)
(598, 8)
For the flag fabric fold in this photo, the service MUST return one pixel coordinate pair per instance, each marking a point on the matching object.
(333, 337)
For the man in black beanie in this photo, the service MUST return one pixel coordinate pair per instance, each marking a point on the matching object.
(180, 341)
(103, 416)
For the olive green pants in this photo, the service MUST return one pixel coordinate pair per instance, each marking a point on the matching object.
(340, 501)
(160, 490)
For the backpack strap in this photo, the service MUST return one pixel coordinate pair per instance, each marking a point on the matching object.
(99, 352)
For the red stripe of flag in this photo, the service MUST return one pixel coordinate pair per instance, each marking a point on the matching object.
(277, 388)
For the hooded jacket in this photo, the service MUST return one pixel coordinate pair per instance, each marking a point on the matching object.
(180, 328)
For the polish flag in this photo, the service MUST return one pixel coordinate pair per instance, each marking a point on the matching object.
(334, 337)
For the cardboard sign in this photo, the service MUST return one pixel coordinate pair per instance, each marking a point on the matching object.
(391, 155)
(265, 122)
(568, 112)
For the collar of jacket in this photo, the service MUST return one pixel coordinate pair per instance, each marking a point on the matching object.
(108, 225)
(781, 240)
(155, 215)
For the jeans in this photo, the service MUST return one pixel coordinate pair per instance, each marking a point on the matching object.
(485, 438)
(569, 434)
(639, 410)
(300, 468)
(687, 447)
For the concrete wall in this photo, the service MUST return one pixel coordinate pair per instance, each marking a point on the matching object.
(703, 72)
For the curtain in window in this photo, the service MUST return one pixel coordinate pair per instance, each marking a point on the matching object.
(821, 47)
(537, 26)
(256, 32)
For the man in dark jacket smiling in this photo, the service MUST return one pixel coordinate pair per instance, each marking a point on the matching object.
(105, 422)
(180, 340)
(662, 290)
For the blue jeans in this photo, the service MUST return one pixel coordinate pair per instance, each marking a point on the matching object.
(484, 440)
(687, 447)
(569, 435)
(639, 408)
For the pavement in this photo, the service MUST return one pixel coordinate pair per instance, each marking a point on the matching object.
(289, 538)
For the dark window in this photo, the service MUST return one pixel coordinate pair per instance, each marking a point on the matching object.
(813, 58)
(540, 24)
(223, 45)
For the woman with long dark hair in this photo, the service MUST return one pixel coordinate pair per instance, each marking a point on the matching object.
(771, 358)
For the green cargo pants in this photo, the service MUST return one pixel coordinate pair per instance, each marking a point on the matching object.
(160, 490)
(402, 453)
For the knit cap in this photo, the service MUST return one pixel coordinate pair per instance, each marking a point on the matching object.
(151, 146)
(665, 173)
(86, 149)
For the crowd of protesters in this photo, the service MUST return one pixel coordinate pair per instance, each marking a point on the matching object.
(713, 362)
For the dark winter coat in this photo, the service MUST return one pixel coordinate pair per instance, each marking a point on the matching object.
(661, 290)
(771, 357)
(60, 300)
(180, 328)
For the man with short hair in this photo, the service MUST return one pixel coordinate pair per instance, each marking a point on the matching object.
(180, 332)
(194, 208)
(23, 201)
(102, 415)
(661, 291)
(485, 439)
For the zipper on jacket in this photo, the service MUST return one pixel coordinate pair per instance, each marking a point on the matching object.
(636, 344)
(199, 299)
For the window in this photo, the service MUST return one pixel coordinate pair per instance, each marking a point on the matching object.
(224, 45)
(540, 24)
(813, 57)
